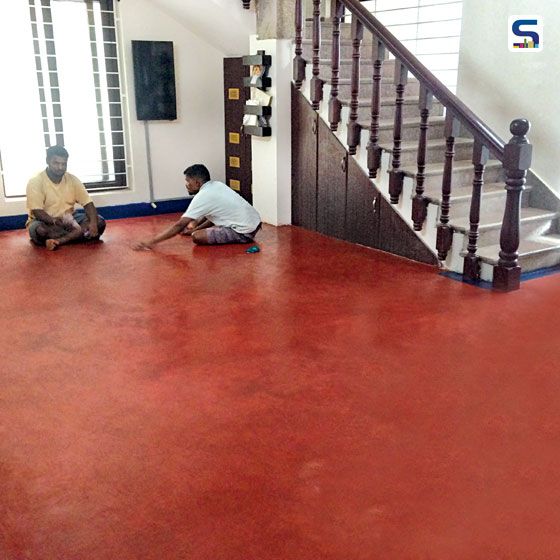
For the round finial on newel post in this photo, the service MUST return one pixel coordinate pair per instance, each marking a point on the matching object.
(519, 128)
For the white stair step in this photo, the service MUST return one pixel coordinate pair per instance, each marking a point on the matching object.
(430, 144)
(435, 149)
(494, 220)
(437, 168)
(464, 192)
(366, 101)
(532, 246)
(386, 124)
(534, 253)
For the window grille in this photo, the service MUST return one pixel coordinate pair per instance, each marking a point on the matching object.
(66, 91)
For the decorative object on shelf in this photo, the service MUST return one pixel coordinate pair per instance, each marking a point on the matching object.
(257, 110)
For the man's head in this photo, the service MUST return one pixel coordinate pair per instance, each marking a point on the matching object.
(57, 160)
(195, 176)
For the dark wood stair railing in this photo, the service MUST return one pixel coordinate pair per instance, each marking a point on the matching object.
(444, 231)
(395, 175)
(353, 128)
(373, 149)
(515, 156)
(316, 82)
(419, 205)
(335, 106)
(471, 264)
(472, 122)
(299, 61)
(517, 160)
(246, 4)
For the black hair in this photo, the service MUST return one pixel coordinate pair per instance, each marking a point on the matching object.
(198, 171)
(55, 151)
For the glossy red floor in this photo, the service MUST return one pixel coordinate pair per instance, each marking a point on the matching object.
(314, 401)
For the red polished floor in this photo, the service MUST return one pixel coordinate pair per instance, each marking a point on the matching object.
(315, 401)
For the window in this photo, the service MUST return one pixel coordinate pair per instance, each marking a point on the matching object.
(61, 85)
(429, 29)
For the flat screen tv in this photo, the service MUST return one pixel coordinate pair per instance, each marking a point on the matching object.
(154, 80)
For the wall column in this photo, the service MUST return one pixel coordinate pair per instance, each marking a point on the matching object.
(272, 162)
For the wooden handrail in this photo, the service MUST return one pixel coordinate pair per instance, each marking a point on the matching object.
(480, 131)
(246, 4)
(515, 156)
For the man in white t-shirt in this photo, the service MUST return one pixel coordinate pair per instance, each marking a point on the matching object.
(216, 215)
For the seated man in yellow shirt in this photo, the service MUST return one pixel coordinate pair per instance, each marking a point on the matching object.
(51, 196)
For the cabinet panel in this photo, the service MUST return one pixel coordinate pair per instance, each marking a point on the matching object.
(395, 236)
(331, 183)
(338, 200)
(304, 162)
(362, 217)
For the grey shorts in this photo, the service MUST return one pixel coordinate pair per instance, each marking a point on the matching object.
(79, 216)
(219, 235)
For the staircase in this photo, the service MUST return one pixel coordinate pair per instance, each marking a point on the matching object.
(442, 169)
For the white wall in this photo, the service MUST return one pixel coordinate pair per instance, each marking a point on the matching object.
(499, 85)
(222, 22)
(272, 158)
(197, 136)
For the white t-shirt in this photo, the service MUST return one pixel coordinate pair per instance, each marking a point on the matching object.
(223, 207)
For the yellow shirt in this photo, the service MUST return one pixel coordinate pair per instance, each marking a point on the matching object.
(55, 198)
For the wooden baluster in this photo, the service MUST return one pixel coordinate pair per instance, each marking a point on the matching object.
(517, 159)
(335, 106)
(246, 4)
(395, 175)
(316, 82)
(299, 61)
(471, 264)
(354, 129)
(444, 231)
(419, 204)
(373, 150)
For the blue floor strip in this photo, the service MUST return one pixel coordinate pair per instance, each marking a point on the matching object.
(113, 212)
(539, 273)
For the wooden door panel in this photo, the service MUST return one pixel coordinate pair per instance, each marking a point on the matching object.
(239, 174)
(304, 162)
(362, 218)
(331, 183)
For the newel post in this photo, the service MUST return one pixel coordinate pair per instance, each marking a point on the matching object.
(246, 4)
(517, 160)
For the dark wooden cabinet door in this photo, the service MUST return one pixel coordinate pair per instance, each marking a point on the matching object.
(333, 195)
(331, 183)
(239, 174)
(362, 217)
(304, 162)
(395, 236)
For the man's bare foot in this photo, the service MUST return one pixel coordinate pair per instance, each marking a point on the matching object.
(51, 244)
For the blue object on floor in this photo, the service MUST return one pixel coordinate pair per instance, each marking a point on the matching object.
(253, 249)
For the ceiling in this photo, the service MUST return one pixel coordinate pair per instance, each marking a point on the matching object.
(223, 23)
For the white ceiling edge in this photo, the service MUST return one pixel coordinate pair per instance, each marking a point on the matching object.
(222, 23)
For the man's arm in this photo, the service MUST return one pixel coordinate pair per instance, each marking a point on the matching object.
(91, 213)
(195, 225)
(43, 216)
(170, 232)
(206, 223)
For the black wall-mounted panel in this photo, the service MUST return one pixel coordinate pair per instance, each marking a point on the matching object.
(154, 80)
